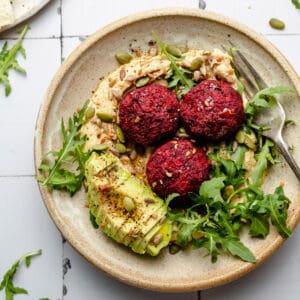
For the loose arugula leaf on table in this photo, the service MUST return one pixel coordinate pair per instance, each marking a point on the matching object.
(8, 60)
(178, 77)
(296, 3)
(7, 282)
(57, 176)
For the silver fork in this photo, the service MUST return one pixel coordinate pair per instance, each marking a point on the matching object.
(273, 117)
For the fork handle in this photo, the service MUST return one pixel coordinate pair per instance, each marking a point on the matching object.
(283, 147)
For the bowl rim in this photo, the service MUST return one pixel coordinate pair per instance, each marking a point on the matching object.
(105, 265)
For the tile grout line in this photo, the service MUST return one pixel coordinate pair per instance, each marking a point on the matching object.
(63, 287)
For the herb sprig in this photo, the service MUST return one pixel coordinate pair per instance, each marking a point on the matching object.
(58, 176)
(7, 282)
(296, 3)
(8, 60)
(179, 78)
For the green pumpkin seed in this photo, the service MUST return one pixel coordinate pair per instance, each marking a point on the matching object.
(174, 50)
(105, 117)
(196, 63)
(100, 147)
(120, 134)
(89, 113)
(173, 249)
(142, 81)
(277, 24)
(128, 204)
(123, 58)
(121, 148)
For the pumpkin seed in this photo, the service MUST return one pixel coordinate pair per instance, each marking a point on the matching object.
(142, 81)
(89, 113)
(277, 24)
(157, 239)
(121, 148)
(105, 117)
(174, 50)
(128, 204)
(100, 147)
(173, 249)
(120, 134)
(196, 63)
(123, 58)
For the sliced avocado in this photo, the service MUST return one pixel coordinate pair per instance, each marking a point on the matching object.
(166, 232)
(110, 187)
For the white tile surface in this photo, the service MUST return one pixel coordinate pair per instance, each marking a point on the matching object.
(25, 227)
(18, 112)
(100, 286)
(91, 15)
(257, 14)
(276, 279)
(46, 23)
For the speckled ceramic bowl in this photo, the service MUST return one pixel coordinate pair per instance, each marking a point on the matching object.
(74, 82)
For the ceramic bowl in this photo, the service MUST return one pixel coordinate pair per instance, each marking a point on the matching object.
(74, 82)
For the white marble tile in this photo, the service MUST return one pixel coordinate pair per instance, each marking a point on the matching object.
(257, 14)
(84, 281)
(276, 279)
(70, 44)
(46, 23)
(289, 45)
(25, 227)
(85, 17)
(18, 112)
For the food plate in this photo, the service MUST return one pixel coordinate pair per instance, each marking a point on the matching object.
(74, 82)
(24, 9)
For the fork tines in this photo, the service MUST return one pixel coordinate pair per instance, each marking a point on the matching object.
(252, 86)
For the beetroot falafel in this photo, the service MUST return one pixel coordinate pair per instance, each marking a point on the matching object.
(178, 166)
(149, 114)
(212, 110)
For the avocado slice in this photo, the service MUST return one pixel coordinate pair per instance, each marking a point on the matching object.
(110, 185)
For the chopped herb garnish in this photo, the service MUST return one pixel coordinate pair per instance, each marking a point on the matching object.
(8, 60)
(57, 176)
(178, 77)
(7, 282)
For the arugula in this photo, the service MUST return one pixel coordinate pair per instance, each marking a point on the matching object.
(233, 198)
(178, 77)
(7, 282)
(57, 176)
(8, 60)
(296, 3)
(264, 98)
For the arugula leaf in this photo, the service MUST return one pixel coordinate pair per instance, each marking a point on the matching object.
(236, 248)
(178, 75)
(8, 60)
(7, 282)
(212, 188)
(277, 204)
(259, 226)
(296, 3)
(262, 98)
(57, 176)
(262, 163)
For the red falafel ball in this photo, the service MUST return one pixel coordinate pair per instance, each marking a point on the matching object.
(177, 166)
(149, 114)
(212, 110)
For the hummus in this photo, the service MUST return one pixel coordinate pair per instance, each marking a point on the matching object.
(110, 90)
